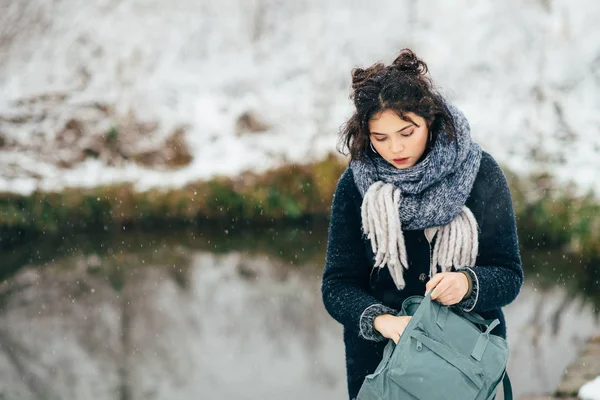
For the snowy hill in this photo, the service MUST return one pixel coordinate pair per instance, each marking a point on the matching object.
(96, 92)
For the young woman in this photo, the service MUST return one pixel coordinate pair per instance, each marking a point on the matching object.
(421, 207)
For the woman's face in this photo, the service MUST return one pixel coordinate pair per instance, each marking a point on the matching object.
(399, 142)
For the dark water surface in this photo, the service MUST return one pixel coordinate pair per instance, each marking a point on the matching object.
(218, 314)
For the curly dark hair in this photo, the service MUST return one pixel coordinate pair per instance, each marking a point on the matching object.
(401, 87)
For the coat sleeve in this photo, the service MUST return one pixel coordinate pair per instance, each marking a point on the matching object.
(498, 274)
(346, 275)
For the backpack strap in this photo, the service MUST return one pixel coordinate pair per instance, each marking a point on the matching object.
(508, 395)
(476, 318)
(482, 342)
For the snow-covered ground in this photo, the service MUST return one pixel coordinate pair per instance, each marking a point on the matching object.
(590, 390)
(526, 73)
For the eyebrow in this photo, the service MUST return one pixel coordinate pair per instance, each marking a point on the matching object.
(398, 131)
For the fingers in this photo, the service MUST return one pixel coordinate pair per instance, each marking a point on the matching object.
(448, 289)
(448, 299)
(402, 322)
(433, 282)
(441, 289)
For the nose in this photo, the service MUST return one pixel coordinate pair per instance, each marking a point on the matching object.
(397, 146)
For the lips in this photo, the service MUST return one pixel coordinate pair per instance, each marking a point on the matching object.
(400, 160)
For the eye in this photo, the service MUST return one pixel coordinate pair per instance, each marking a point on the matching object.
(408, 134)
(380, 139)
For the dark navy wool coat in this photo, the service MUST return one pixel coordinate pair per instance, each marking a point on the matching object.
(353, 293)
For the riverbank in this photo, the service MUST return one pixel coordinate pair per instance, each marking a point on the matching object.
(584, 369)
(289, 193)
(548, 216)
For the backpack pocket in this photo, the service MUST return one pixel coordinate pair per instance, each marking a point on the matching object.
(428, 369)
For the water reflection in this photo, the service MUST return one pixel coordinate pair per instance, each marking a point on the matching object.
(215, 314)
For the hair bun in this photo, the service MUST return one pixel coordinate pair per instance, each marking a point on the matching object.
(408, 62)
(359, 75)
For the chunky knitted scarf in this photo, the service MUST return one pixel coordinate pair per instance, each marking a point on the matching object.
(430, 195)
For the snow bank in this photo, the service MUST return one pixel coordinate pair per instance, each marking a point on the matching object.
(526, 73)
(590, 390)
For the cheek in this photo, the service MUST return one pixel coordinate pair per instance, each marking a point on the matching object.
(377, 144)
(418, 142)
(380, 147)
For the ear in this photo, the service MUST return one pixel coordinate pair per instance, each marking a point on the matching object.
(429, 131)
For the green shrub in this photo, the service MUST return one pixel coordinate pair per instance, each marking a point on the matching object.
(547, 216)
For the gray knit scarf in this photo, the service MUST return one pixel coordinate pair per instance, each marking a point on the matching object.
(430, 195)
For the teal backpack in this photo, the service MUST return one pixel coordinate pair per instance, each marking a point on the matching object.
(444, 354)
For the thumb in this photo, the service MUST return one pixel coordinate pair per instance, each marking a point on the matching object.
(433, 282)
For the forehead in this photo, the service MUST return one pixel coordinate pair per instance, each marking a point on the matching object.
(388, 121)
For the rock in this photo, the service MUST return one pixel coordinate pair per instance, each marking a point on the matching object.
(173, 153)
(70, 160)
(55, 97)
(571, 384)
(92, 145)
(67, 152)
(70, 134)
(95, 130)
(178, 153)
(249, 122)
(106, 109)
(581, 371)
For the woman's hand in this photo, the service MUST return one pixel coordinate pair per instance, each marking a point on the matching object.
(449, 288)
(390, 326)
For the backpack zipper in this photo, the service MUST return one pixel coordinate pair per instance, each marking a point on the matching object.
(419, 346)
(430, 254)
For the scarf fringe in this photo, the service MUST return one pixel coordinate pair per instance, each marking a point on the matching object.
(456, 243)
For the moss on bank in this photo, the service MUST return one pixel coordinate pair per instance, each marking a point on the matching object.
(552, 217)
(547, 217)
(288, 193)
